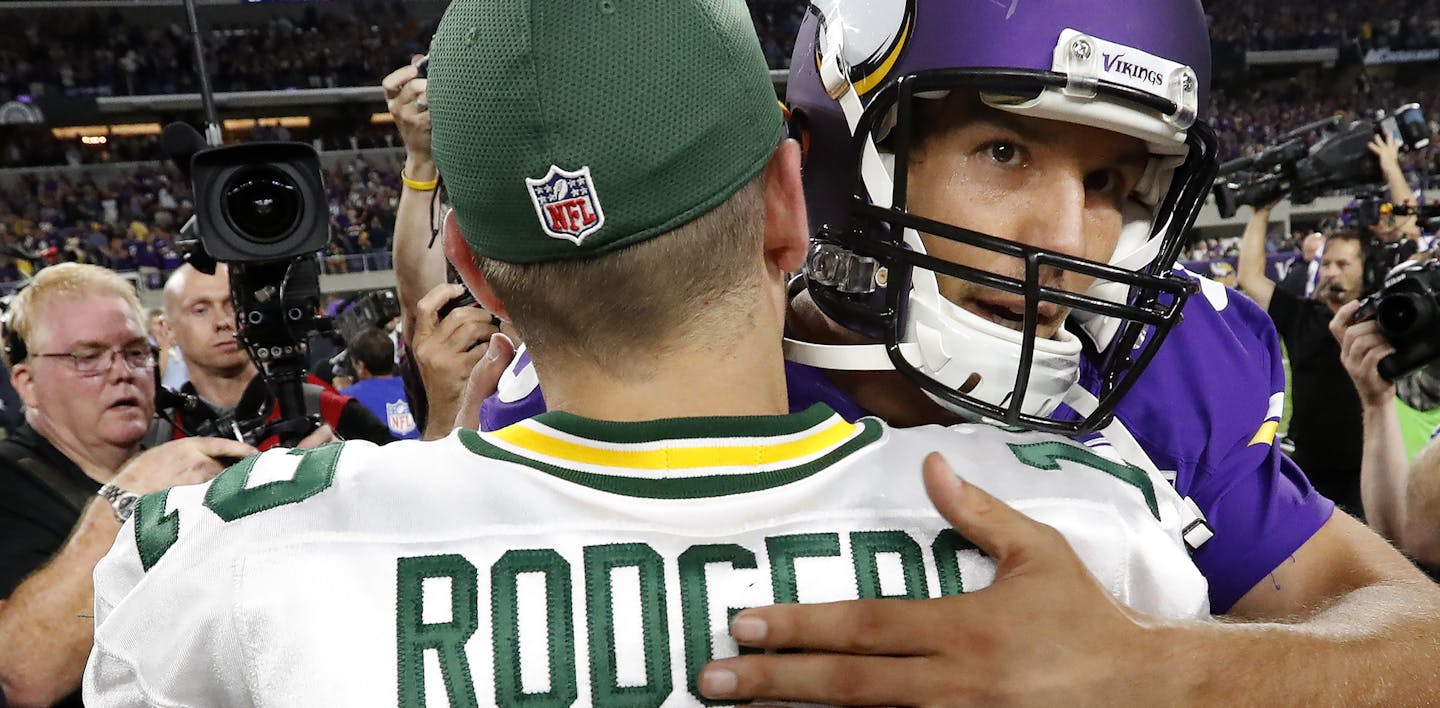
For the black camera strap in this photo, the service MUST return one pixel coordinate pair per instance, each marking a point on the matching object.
(74, 493)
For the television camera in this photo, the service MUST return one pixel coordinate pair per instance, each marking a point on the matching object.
(1339, 159)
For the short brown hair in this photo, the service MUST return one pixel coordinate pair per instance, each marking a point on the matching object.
(632, 301)
(65, 281)
(373, 348)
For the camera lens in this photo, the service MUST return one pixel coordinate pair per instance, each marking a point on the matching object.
(1400, 314)
(262, 203)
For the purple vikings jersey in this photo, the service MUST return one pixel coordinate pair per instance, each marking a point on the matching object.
(519, 396)
(1204, 414)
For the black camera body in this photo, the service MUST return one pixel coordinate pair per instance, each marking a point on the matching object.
(261, 208)
(1341, 159)
(260, 202)
(1407, 311)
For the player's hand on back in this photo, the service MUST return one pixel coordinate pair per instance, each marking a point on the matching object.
(179, 462)
(1044, 633)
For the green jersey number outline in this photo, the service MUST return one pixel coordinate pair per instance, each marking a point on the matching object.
(230, 499)
(1047, 456)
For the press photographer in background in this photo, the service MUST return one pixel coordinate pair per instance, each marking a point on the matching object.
(1325, 420)
(79, 358)
(226, 391)
(1382, 338)
(246, 303)
(443, 346)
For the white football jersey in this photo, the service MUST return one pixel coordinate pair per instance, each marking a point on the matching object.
(572, 561)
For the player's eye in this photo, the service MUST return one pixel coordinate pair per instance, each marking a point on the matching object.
(1003, 153)
(1102, 181)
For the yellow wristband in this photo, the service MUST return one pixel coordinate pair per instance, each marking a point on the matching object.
(419, 186)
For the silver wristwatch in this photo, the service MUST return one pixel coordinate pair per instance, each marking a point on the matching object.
(121, 501)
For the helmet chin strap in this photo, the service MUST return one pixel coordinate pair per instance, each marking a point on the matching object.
(847, 357)
(835, 75)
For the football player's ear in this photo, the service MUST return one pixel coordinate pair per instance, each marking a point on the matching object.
(457, 250)
(787, 233)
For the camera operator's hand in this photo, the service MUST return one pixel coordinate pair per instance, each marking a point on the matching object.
(408, 103)
(1362, 346)
(322, 435)
(447, 351)
(1262, 211)
(1387, 149)
(184, 461)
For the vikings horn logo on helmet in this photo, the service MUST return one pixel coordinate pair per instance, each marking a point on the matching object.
(875, 34)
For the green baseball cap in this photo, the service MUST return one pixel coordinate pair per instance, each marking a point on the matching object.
(572, 128)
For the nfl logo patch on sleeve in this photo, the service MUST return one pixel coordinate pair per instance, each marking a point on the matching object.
(567, 204)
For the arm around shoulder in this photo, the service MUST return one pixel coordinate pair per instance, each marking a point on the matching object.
(1347, 620)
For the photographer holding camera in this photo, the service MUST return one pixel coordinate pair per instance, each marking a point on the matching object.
(236, 399)
(72, 472)
(442, 349)
(1383, 471)
(1325, 423)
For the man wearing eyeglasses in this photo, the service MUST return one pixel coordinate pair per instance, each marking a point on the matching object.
(70, 475)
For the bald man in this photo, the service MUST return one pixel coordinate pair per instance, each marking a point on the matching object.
(201, 317)
(1304, 271)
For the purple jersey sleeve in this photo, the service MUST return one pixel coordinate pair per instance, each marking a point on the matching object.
(1207, 409)
(519, 396)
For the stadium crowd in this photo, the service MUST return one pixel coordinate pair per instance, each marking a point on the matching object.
(62, 51)
(131, 224)
(89, 53)
(1262, 25)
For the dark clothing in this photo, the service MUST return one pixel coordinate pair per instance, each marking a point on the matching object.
(258, 405)
(42, 494)
(321, 350)
(36, 516)
(1297, 277)
(11, 415)
(1325, 422)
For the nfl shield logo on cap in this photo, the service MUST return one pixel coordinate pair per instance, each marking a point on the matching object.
(567, 204)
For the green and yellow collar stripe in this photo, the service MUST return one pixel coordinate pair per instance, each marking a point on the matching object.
(679, 458)
(681, 454)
